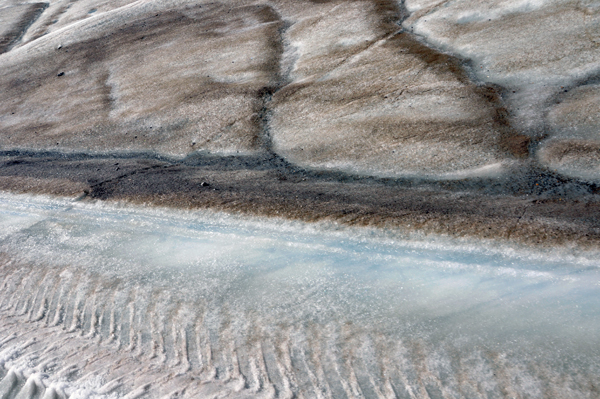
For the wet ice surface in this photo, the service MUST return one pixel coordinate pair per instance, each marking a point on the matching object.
(109, 301)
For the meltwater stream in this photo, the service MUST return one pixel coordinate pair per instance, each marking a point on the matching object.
(114, 301)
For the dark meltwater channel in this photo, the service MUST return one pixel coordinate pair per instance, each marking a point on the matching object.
(100, 301)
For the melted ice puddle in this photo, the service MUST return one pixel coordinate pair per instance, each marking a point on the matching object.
(102, 300)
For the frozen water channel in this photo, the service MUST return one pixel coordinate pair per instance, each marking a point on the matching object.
(102, 300)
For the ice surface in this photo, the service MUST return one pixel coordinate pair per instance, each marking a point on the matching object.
(179, 76)
(14, 20)
(170, 78)
(574, 124)
(440, 90)
(534, 49)
(390, 107)
(105, 301)
(115, 301)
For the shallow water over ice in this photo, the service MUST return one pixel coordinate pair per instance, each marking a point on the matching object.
(112, 301)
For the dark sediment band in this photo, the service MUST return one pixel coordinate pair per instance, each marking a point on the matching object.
(534, 208)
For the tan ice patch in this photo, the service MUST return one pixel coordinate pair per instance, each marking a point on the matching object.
(397, 108)
(169, 82)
